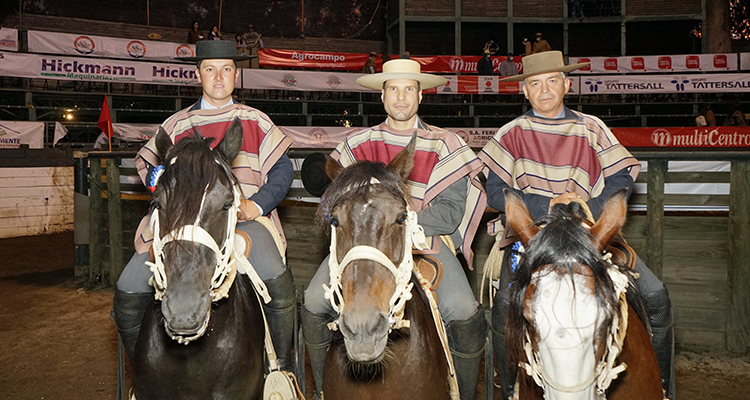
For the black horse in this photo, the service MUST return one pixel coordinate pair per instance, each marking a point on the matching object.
(194, 344)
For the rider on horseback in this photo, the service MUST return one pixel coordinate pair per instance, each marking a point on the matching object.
(265, 174)
(551, 155)
(449, 201)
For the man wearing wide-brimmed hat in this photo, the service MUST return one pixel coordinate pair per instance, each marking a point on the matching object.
(265, 175)
(540, 45)
(552, 154)
(449, 201)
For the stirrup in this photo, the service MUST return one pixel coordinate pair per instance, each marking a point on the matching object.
(281, 385)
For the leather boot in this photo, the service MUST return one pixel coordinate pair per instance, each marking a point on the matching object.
(659, 308)
(317, 340)
(466, 339)
(280, 313)
(507, 373)
(128, 309)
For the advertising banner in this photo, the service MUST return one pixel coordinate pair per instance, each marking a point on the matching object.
(721, 137)
(15, 133)
(98, 46)
(654, 64)
(704, 83)
(8, 39)
(301, 80)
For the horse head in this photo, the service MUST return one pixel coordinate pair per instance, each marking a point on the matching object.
(194, 213)
(565, 302)
(367, 208)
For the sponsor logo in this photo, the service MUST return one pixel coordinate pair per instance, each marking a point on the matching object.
(289, 80)
(146, 133)
(84, 45)
(136, 49)
(583, 60)
(700, 138)
(318, 137)
(593, 85)
(720, 61)
(638, 63)
(679, 83)
(318, 57)
(333, 82)
(447, 87)
(184, 50)
(664, 62)
(463, 135)
(457, 64)
(610, 64)
(661, 137)
(488, 86)
(692, 62)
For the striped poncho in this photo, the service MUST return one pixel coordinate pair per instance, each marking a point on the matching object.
(549, 157)
(441, 159)
(262, 145)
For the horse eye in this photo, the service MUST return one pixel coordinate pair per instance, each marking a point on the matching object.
(228, 205)
(335, 222)
(401, 218)
(157, 205)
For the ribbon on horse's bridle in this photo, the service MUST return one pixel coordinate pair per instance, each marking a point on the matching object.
(414, 236)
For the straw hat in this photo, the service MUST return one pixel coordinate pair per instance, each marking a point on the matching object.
(542, 63)
(401, 69)
(216, 50)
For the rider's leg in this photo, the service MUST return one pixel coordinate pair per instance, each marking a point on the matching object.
(281, 310)
(132, 297)
(500, 306)
(465, 322)
(316, 314)
(659, 307)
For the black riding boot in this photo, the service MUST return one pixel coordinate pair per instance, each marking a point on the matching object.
(317, 340)
(659, 308)
(506, 371)
(280, 313)
(128, 309)
(466, 339)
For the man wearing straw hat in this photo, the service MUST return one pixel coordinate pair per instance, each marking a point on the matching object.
(449, 201)
(552, 154)
(265, 175)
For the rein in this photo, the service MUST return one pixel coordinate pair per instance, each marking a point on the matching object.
(414, 236)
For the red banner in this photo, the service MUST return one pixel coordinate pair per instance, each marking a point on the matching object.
(274, 58)
(718, 137)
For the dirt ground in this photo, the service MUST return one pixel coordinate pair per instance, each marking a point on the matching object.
(57, 341)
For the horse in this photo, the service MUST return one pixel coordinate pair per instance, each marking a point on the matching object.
(386, 344)
(570, 326)
(194, 343)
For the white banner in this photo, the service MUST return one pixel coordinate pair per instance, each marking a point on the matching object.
(98, 46)
(301, 80)
(15, 133)
(9, 39)
(714, 83)
(652, 64)
(95, 70)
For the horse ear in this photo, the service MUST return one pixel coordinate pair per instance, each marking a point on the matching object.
(518, 217)
(230, 145)
(611, 220)
(332, 167)
(163, 143)
(403, 163)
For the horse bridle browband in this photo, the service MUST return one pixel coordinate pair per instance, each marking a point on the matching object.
(414, 236)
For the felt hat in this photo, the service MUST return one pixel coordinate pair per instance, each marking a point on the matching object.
(487, 51)
(401, 69)
(542, 63)
(313, 174)
(216, 49)
(539, 33)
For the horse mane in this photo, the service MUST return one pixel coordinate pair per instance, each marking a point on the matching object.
(189, 171)
(354, 181)
(562, 240)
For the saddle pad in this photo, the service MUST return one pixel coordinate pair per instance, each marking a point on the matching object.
(430, 267)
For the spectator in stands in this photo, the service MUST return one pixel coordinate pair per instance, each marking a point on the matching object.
(526, 46)
(593, 166)
(370, 67)
(406, 55)
(508, 67)
(241, 50)
(484, 66)
(735, 117)
(253, 42)
(195, 34)
(540, 45)
(214, 34)
(708, 115)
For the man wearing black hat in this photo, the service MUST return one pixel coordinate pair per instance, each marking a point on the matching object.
(265, 175)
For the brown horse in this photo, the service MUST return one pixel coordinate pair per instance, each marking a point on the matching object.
(376, 353)
(568, 311)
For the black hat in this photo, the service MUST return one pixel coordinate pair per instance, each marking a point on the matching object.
(313, 174)
(216, 49)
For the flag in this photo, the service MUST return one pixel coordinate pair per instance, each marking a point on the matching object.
(105, 120)
(60, 132)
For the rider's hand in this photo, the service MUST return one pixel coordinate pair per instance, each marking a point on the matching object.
(564, 198)
(248, 211)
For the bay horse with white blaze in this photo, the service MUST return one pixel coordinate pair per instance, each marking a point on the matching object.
(386, 344)
(570, 327)
(205, 338)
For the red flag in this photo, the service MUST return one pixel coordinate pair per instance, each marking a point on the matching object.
(105, 120)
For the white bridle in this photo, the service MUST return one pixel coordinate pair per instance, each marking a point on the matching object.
(414, 236)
